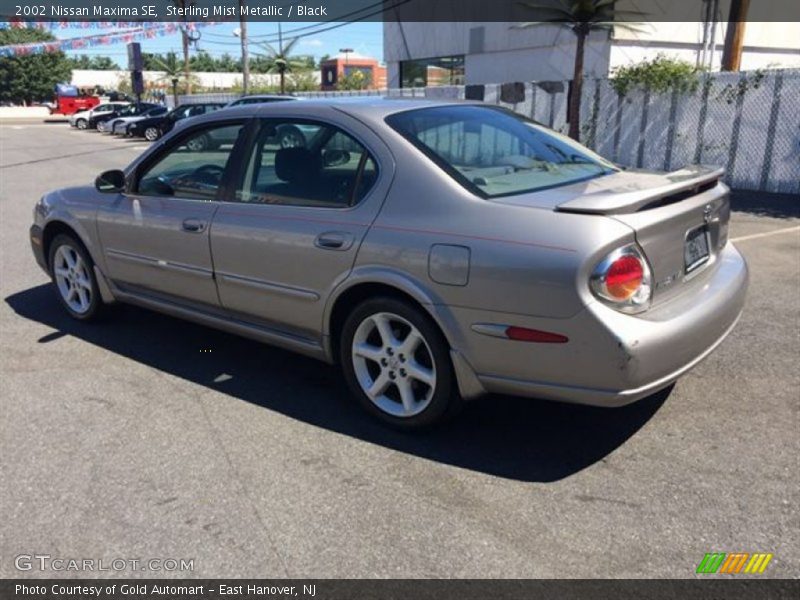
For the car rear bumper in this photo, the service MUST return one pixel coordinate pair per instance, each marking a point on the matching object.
(613, 359)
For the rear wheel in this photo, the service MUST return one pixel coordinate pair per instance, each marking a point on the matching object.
(397, 363)
(72, 272)
(151, 134)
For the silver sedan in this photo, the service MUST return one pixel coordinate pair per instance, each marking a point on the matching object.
(436, 251)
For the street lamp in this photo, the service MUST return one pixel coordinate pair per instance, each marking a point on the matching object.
(346, 52)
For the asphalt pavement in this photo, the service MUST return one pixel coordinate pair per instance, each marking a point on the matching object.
(148, 437)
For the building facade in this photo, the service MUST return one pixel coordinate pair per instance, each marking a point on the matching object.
(419, 54)
(352, 69)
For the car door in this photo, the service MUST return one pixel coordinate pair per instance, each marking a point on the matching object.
(290, 232)
(155, 236)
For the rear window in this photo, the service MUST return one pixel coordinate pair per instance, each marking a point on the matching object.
(494, 152)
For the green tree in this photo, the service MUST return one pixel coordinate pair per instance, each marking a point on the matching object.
(203, 61)
(98, 63)
(582, 17)
(33, 77)
(302, 81)
(355, 80)
(280, 60)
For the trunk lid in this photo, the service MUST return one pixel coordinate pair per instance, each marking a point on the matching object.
(673, 216)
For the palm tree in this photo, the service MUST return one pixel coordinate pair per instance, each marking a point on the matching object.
(279, 60)
(173, 71)
(582, 17)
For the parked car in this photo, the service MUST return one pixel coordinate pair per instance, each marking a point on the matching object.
(153, 128)
(100, 122)
(81, 119)
(287, 136)
(436, 251)
(119, 126)
(259, 99)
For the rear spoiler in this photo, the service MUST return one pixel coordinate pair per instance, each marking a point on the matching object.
(677, 185)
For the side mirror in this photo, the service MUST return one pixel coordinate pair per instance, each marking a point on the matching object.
(334, 158)
(110, 182)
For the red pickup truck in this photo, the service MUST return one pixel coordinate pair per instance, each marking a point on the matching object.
(69, 100)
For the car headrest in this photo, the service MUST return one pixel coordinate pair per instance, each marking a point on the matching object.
(294, 165)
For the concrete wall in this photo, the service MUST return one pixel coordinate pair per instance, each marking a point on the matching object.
(505, 52)
(494, 51)
(111, 79)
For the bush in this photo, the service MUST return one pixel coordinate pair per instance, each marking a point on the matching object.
(659, 75)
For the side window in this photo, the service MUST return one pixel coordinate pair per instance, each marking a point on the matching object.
(194, 167)
(299, 163)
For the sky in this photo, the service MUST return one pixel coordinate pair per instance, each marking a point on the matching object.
(363, 37)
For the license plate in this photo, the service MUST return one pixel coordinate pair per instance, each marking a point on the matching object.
(695, 252)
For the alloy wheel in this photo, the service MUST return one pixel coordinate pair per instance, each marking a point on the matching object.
(292, 139)
(394, 364)
(151, 134)
(72, 278)
(197, 144)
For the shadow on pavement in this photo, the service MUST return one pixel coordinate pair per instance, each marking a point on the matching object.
(515, 438)
(766, 204)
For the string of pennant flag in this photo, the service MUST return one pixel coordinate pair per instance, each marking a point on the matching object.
(126, 32)
(22, 24)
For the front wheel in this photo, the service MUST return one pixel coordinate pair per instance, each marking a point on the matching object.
(397, 363)
(151, 134)
(72, 271)
(81, 123)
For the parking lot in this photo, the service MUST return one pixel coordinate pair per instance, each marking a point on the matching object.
(149, 437)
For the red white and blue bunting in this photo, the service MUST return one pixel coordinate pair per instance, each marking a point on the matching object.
(126, 32)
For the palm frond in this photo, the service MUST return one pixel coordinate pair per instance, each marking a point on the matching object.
(287, 49)
(626, 26)
(562, 14)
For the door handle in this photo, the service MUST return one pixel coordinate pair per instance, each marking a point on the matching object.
(334, 240)
(193, 225)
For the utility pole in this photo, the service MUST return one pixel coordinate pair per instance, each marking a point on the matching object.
(245, 51)
(734, 37)
(185, 40)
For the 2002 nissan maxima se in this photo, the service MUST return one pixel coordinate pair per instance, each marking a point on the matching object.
(436, 251)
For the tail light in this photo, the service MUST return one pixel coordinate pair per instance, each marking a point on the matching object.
(623, 280)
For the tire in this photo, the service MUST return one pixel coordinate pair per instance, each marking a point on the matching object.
(199, 143)
(151, 134)
(81, 124)
(76, 284)
(413, 391)
(291, 137)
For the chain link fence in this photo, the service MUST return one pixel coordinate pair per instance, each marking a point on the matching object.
(747, 122)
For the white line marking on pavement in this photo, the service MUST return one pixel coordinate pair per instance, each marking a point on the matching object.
(765, 234)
